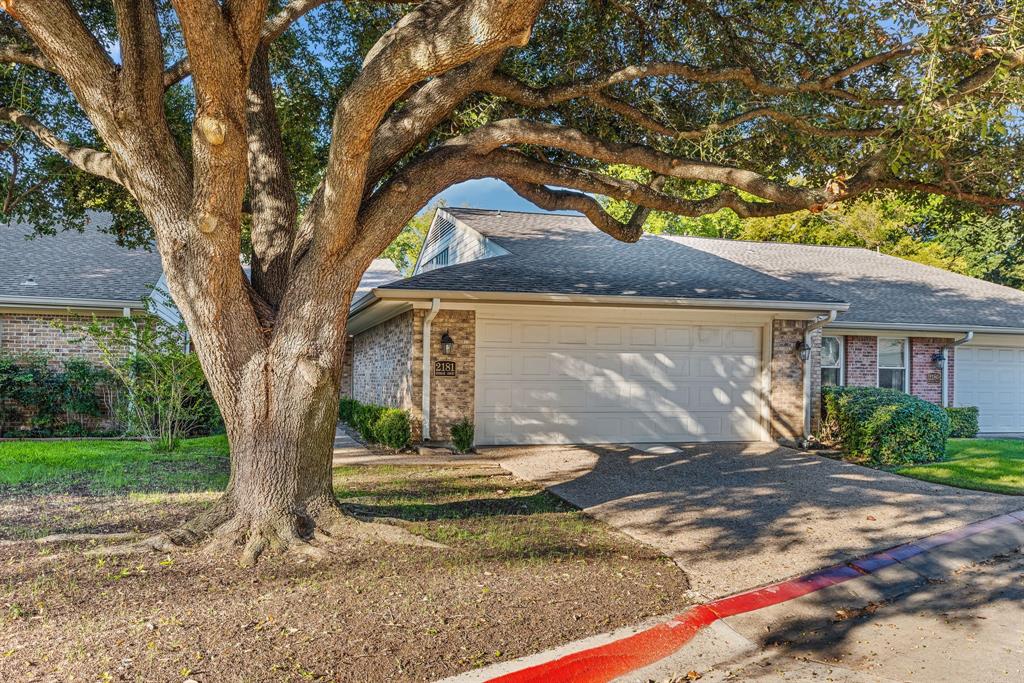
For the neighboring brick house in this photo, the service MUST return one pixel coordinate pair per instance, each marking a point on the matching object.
(50, 280)
(560, 334)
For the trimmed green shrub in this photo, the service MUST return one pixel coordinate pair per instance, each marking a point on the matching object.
(347, 410)
(392, 429)
(885, 426)
(462, 435)
(365, 421)
(963, 422)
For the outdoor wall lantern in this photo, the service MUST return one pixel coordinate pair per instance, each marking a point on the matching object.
(447, 344)
(939, 359)
(803, 349)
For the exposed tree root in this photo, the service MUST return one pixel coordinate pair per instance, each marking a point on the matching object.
(309, 533)
(74, 538)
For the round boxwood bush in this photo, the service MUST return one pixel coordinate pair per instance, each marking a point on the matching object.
(886, 427)
(347, 410)
(392, 429)
(963, 422)
(365, 421)
(462, 435)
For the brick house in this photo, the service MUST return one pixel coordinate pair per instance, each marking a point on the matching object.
(52, 279)
(542, 329)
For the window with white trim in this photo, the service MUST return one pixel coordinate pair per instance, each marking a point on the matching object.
(892, 363)
(832, 362)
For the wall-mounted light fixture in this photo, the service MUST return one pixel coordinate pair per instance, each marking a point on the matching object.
(803, 349)
(939, 359)
(447, 343)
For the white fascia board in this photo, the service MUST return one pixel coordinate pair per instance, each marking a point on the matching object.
(911, 328)
(48, 302)
(607, 300)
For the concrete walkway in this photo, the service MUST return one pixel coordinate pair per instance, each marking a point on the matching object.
(348, 451)
(740, 515)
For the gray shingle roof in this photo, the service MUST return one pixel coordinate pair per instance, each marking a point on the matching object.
(567, 254)
(74, 265)
(879, 288)
(559, 254)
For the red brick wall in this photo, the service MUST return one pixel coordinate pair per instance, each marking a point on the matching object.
(862, 361)
(925, 378)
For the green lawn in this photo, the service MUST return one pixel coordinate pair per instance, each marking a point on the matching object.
(104, 467)
(995, 465)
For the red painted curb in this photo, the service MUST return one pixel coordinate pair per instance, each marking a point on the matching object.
(607, 662)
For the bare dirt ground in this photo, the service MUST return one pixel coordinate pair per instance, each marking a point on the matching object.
(523, 572)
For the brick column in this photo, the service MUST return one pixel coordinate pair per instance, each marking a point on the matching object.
(925, 378)
(451, 398)
(787, 377)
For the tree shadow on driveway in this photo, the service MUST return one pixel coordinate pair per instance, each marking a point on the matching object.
(735, 516)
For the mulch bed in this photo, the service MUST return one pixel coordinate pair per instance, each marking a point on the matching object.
(522, 573)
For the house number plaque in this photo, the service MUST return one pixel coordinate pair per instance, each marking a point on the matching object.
(444, 368)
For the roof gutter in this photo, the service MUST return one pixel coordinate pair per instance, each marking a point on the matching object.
(945, 363)
(812, 327)
(925, 327)
(47, 302)
(597, 299)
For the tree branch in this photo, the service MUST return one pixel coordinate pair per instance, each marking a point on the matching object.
(406, 128)
(933, 188)
(432, 39)
(518, 131)
(75, 54)
(272, 194)
(13, 55)
(511, 89)
(83, 158)
(142, 60)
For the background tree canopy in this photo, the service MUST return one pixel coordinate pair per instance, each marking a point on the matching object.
(795, 109)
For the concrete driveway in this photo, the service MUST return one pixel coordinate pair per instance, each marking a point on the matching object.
(735, 516)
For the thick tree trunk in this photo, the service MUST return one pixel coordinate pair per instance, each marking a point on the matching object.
(281, 440)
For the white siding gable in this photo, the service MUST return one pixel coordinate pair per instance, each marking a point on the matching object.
(450, 241)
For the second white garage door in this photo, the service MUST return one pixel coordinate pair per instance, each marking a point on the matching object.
(991, 378)
(567, 379)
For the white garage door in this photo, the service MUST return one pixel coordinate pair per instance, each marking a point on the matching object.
(616, 381)
(992, 379)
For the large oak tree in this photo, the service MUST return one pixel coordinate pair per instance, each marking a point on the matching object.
(311, 131)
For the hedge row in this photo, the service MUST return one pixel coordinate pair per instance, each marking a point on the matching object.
(388, 427)
(885, 426)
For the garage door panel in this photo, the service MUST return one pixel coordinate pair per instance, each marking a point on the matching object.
(494, 364)
(643, 336)
(613, 382)
(992, 379)
(562, 427)
(675, 337)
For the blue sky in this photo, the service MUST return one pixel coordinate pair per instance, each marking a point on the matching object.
(486, 194)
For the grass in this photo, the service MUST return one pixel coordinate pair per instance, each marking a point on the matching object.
(995, 465)
(481, 508)
(522, 572)
(112, 467)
